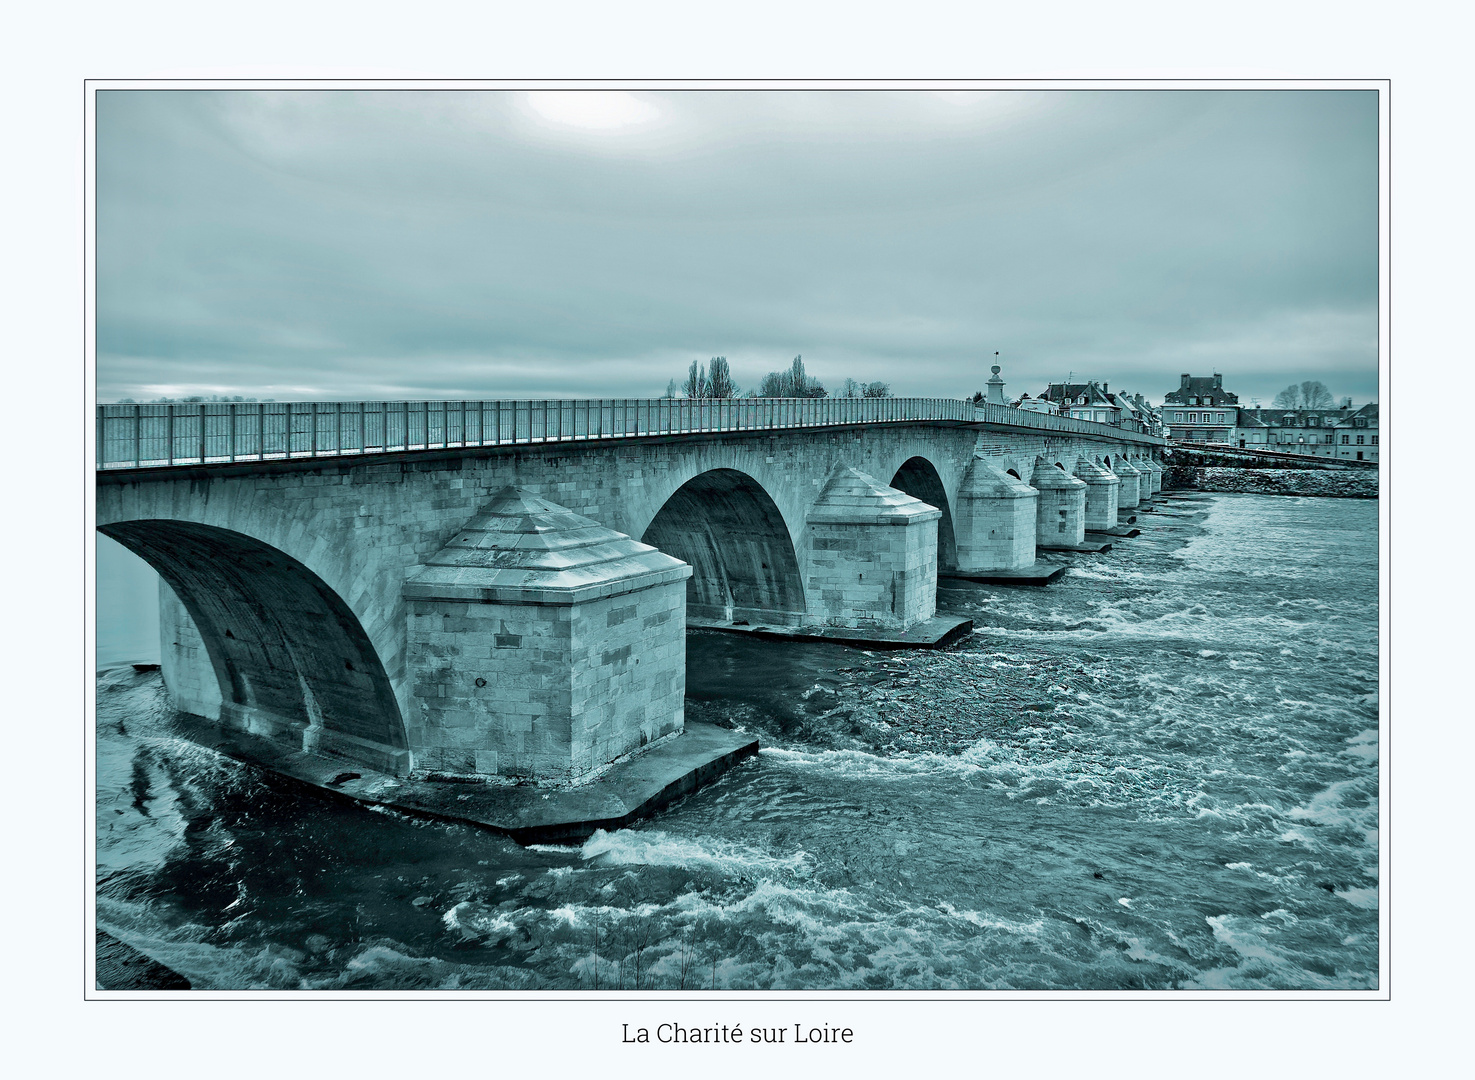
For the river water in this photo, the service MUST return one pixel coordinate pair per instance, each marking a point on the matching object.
(1161, 771)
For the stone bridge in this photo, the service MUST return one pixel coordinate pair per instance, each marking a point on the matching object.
(487, 593)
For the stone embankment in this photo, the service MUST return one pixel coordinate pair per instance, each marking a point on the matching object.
(1338, 484)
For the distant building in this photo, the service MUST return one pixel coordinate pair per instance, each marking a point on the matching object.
(1292, 431)
(1201, 410)
(1357, 435)
(1084, 401)
(1033, 404)
(1152, 417)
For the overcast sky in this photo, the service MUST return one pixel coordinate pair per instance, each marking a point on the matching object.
(394, 244)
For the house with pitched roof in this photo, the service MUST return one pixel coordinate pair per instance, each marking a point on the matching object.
(1293, 431)
(1084, 401)
(1201, 410)
(1357, 435)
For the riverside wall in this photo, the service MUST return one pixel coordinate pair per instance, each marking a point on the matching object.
(1338, 484)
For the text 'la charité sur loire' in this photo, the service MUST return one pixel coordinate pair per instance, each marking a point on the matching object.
(675, 1033)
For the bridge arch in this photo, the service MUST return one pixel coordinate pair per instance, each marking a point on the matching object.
(732, 533)
(920, 479)
(291, 658)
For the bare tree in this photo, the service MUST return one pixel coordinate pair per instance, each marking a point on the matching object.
(1310, 394)
(696, 384)
(877, 389)
(719, 379)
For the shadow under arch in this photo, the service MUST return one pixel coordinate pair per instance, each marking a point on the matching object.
(919, 478)
(292, 660)
(730, 530)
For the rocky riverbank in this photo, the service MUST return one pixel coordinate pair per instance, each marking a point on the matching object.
(1333, 484)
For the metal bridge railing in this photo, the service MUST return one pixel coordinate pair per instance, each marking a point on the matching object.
(194, 433)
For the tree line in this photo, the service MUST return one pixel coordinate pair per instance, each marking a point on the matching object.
(188, 400)
(714, 380)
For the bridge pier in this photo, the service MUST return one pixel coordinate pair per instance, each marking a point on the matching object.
(873, 555)
(996, 520)
(543, 644)
(1130, 493)
(1102, 495)
(1061, 520)
(1155, 475)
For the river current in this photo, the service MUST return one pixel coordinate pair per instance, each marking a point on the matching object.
(1161, 771)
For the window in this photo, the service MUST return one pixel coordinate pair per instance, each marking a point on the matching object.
(1361, 422)
(1178, 416)
(1344, 440)
(1359, 455)
(1375, 440)
(1316, 421)
(1331, 438)
(1221, 418)
(1359, 440)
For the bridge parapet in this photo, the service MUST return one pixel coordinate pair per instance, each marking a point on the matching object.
(131, 436)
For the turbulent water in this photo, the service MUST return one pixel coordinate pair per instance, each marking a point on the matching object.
(1158, 772)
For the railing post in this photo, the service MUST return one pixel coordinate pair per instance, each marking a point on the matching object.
(202, 433)
(232, 446)
(169, 431)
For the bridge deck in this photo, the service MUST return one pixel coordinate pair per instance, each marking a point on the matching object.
(147, 436)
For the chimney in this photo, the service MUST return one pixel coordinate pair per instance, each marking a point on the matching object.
(1218, 381)
(1183, 382)
(1346, 403)
(1105, 387)
(995, 387)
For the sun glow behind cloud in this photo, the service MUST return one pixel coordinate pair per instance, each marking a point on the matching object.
(592, 110)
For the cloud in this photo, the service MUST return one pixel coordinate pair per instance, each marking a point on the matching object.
(433, 244)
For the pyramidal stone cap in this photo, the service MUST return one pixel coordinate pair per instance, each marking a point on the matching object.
(853, 498)
(1092, 473)
(522, 549)
(1123, 467)
(986, 481)
(1048, 476)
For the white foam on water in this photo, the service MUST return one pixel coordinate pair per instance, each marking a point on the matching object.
(652, 847)
(1325, 807)
(993, 922)
(1367, 899)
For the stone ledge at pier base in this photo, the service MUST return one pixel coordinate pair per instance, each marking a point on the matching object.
(1036, 574)
(528, 813)
(934, 633)
(1115, 530)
